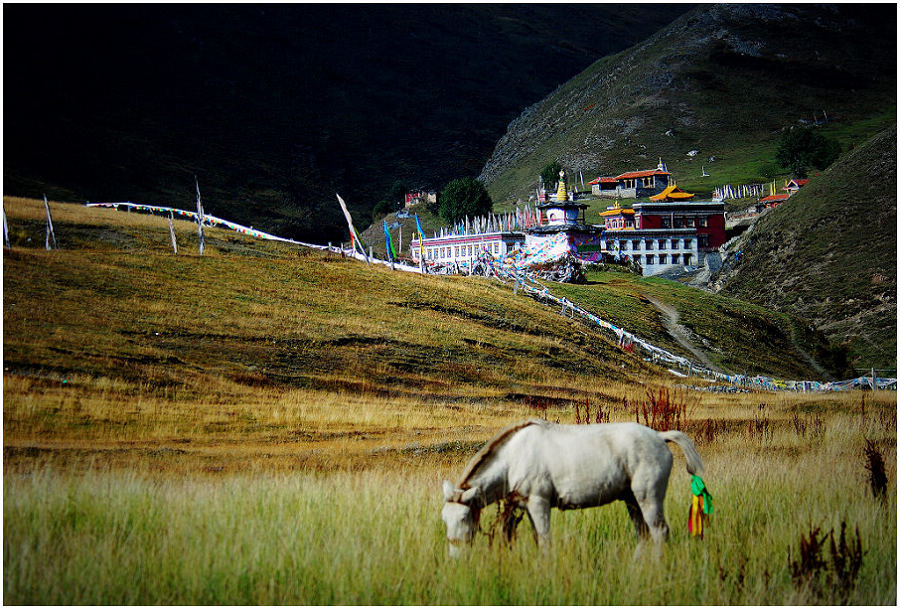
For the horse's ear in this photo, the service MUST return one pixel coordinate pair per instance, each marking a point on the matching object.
(449, 490)
(469, 495)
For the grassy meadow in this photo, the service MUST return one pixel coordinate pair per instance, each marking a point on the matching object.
(262, 426)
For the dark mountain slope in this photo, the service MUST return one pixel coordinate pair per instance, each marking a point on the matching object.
(724, 80)
(277, 107)
(829, 254)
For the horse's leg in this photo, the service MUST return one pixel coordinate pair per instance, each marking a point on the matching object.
(538, 509)
(650, 498)
(641, 530)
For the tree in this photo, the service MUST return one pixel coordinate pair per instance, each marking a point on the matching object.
(382, 208)
(550, 174)
(462, 197)
(397, 193)
(801, 148)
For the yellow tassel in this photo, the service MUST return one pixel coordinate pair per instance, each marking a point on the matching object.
(697, 516)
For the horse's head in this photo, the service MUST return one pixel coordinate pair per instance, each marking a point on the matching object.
(460, 513)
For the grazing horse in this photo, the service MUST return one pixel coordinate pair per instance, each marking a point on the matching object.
(539, 465)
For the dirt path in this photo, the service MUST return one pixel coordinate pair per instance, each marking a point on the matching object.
(681, 333)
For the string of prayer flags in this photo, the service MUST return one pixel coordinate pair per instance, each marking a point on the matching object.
(701, 507)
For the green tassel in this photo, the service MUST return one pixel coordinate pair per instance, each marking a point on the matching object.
(698, 488)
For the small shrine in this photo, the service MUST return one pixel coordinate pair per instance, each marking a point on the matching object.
(565, 231)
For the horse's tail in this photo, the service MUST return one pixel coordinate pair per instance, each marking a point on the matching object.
(694, 464)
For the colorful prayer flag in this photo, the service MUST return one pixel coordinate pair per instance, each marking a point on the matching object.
(388, 245)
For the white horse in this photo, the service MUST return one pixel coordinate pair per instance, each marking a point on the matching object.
(539, 465)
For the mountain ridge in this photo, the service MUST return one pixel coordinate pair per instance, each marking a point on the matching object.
(725, 93)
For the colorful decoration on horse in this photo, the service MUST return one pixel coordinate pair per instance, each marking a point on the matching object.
(701, 507)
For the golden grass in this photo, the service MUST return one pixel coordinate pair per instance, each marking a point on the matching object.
(250, 516)
(261, 426)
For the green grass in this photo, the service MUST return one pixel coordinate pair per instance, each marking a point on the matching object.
(737, 335)
(829, 254)
(377, 538)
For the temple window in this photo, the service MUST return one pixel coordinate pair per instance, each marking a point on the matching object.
(650, 259)
(663, 258)
(662, 243)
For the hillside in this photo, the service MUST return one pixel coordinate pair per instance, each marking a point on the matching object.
(723, 80)
(115, 303)
(829, 254)
(277, 107)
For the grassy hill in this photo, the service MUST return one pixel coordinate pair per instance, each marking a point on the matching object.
(723, 80)
(195, 430)
(829, 254)
(115, 302)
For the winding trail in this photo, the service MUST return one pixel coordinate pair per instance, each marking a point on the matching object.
(680, 333)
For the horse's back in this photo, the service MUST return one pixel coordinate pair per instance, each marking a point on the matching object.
(584, 465)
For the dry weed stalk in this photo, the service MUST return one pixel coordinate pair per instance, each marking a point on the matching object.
(662, 412)
(811, 570)
(875, 466)
(584, 417)
(761, 427)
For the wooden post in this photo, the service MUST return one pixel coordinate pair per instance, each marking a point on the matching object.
(5, 230)
(353, 241)
(172, 233)
(199, 215)
(49, 236)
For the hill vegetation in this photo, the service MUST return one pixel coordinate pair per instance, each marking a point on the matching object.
(829, 254)
(723, 80)
(115, 302)
(268, 425)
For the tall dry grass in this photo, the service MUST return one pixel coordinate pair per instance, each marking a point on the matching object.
(362, 526)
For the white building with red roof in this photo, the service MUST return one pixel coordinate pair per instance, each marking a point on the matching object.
(633, 184)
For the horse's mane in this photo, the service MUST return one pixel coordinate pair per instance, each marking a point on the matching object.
(490, 448)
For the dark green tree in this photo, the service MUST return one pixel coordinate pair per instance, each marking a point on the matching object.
(801, 148)
(550, 174)
(397, 193)
(382, 208)
(462, 197)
